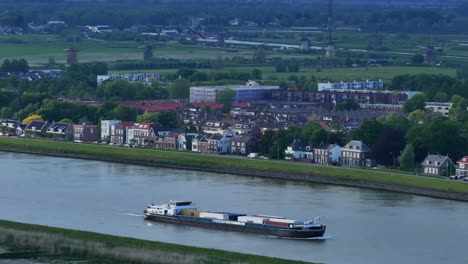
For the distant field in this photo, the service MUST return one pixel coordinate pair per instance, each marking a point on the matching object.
(337, 74)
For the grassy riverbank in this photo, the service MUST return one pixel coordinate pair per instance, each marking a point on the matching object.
(264, 168)
(112, 249)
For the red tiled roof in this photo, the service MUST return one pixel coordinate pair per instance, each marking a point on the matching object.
(463, 160)
(213, 105)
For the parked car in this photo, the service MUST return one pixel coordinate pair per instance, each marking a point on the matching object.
(252, 155)
(465, 179)
(457, 177)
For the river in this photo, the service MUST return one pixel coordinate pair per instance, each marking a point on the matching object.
(363, 226)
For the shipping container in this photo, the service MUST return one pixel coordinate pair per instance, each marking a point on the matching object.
(232, 216)
(188, 212)
(287, 221)
(251, 219)
(273, 223)
(214, 215)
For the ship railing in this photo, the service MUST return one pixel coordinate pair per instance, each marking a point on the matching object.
(313, 220)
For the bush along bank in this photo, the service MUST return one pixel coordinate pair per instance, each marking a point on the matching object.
(419, 185)
(114, 249)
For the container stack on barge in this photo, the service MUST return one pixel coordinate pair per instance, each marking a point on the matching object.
(183, 212)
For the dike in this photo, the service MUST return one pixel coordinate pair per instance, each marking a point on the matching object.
(113, 249)
(362, 178)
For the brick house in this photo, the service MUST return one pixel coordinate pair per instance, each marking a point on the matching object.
(243, 144)
(327, 154)
(355, 154)
(167, 142)
(86, 132)
(139, 134)
(118, 133)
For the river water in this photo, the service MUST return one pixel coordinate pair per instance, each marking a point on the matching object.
(363, 226)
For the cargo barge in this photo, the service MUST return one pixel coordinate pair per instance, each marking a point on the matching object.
(184, 213)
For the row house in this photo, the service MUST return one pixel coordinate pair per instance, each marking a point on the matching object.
(60, 131)
(14, 127)
(36, 128)
(462, 167)
(118, 134)
(106, 129)
(436, 164)
(85, 132)
(327, 154)
(216, 143)
(219, 143)
(167, 142)
(299, 151)
(243, 144)
(184, 141)
(356, 154)
(139, 134)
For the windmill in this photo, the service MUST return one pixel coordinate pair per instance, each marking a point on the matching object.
(196, 30)
(148, 49)
(330, 51)
(72, 53)
(260, 53)
(221, 37)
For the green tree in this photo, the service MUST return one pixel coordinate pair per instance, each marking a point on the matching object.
(417, 102)
(407, 159)
(148, 117)
(319, 136)
(180, 89)
(346, 105)
(417, 59)
(256, 74)
(66, 121)
(280, 66)
(226, 97)
(369, 132)
(123, 112)
(168, 118)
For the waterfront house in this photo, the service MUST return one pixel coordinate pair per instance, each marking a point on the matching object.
(85, 132)
(139, 134)
(219, 143)
(13, 127)
(462, 167)
(298, 151)
(167, 142)
(106, 129)
(355, 154)
(436, 164)
(118, 134)
(184, 141)
(327, 154)
(36, 128)
(196, 142)
(243, 144)
(60, 131)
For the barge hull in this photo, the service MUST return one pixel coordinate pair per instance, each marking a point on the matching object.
(260, 229)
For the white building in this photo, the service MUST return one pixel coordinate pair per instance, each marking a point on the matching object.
(147, 78)
(106, 128)
(441, 108)
(252, 91)
(370, 86)
(297, 150)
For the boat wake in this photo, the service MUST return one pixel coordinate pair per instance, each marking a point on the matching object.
(132, 214)
(322, 238)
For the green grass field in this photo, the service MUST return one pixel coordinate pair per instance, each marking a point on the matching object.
(197, 161)
(329, 74)
(124, 250)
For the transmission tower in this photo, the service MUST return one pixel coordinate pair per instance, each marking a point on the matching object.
(331, 52)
